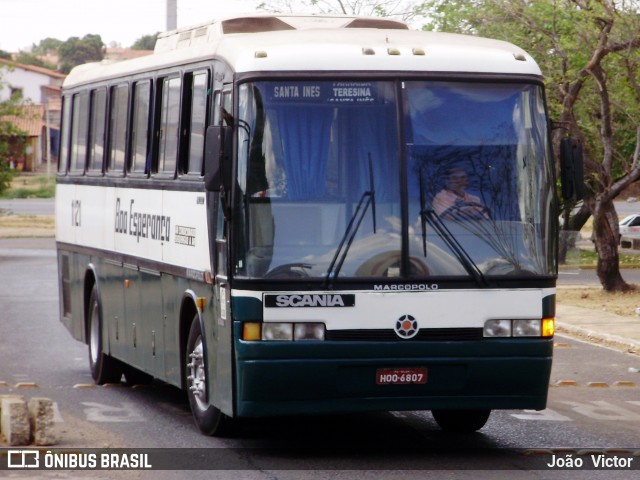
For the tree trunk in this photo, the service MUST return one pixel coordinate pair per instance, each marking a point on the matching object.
(605, 228)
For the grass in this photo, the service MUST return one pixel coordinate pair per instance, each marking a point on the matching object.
(31, 186)
(26, 226)
(589, 258)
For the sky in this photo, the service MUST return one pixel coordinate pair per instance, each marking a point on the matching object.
(24, 23)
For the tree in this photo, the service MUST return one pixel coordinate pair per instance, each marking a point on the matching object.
(589, 51)
(76, 51)
(146, 42)
(47, 45)
(8, 108)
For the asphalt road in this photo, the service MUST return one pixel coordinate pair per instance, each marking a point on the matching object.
(29, 206)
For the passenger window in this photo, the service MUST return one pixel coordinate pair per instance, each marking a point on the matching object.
(140, 134)
(97, 129)
(198, 121)
(63, 159)
(79, 132)
(169, 125)
(118, 127)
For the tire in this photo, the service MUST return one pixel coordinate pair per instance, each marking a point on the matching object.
(464, 421)
(208, 419)
(104, 368)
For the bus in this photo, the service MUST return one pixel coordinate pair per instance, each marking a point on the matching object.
(294, 215)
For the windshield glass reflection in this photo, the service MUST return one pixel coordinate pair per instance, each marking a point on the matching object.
(310, 155)
(478, 162)
(320, 191)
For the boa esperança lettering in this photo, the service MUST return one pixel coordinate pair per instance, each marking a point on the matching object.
(142, 224)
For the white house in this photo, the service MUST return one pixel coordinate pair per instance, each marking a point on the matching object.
(41, 88)
(34, 83)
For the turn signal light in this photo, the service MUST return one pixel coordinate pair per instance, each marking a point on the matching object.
(548, 327)
(251, 331)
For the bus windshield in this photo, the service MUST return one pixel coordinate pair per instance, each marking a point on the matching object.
(384, 179)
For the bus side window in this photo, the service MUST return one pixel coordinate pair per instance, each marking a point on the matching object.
(222, 108)
(195, 110)
(227, 108)
(118, 128)
(169, 125)
(98, 101)
(63, 155)
(138, 155)
(79, 131)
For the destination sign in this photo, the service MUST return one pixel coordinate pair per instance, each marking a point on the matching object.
(350, 93)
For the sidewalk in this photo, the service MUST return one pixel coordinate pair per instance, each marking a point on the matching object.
(596, 326)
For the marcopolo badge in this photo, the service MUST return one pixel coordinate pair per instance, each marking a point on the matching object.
(406, 327)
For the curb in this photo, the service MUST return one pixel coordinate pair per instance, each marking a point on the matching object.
(613, 341)
(25, 422)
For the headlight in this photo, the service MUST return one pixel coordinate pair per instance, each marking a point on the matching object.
(309, 331)
(497, 328)
(526, 328)
(277, 331)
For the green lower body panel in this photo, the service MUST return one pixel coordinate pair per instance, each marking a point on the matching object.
(286, 378)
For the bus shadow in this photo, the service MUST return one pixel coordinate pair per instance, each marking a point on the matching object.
(367, 441)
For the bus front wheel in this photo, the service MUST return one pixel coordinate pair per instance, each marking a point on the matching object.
(104, 368)
(465, 421)
(209, 419)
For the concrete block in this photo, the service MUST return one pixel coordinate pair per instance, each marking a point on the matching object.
(14, 421)
(41, 421)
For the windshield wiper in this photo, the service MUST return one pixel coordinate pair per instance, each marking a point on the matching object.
(458, 250)
(367, 198)
(446, 235)
(423, 217)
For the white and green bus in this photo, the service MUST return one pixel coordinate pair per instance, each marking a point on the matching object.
(291, 215)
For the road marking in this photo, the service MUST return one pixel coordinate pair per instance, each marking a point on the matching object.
(603, 410)
(26, 385)
(566, 383)
(546, 415)
(57, 416)
(99, 412)
(624, 383)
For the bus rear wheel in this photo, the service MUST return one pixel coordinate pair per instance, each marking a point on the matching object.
(464, 421)
(104, 368)
(209, 419)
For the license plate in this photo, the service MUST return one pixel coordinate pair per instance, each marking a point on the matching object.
(401, 376)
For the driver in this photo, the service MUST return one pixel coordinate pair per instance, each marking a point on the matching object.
(454, 203)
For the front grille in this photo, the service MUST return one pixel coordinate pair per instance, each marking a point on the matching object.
(427, 334)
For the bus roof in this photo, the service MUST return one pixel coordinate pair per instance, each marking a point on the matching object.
(270, 43)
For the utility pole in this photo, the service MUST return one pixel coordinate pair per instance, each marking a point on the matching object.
(172, 14)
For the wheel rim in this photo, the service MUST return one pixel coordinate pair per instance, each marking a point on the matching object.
(94, 340)
(197, 377)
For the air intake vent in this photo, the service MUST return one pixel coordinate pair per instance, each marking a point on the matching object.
(254, 25)
(375, 23)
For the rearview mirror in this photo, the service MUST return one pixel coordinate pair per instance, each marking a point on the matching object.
(216, 157)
